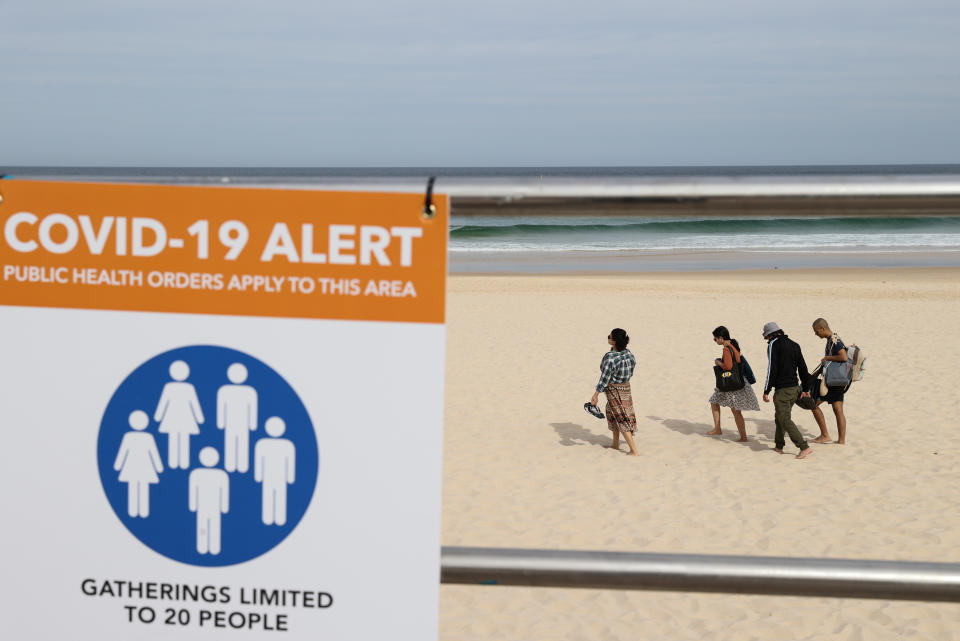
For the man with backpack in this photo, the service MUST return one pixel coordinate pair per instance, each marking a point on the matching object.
(784, 363)
(835, 352)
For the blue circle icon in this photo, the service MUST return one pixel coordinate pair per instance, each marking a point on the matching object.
(207, 455)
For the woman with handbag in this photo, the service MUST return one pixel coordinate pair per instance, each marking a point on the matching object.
(616, 368)
(728, 367)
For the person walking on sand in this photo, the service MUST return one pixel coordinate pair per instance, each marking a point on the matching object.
(836, 352)
(738, 401)
(784, 363)
(616, 368)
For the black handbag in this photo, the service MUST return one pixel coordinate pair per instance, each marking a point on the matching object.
(810, 402)
(729, 381)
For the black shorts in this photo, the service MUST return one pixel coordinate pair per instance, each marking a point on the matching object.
(834, 394)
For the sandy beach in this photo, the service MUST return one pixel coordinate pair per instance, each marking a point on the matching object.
(524, 465)
(583, 262)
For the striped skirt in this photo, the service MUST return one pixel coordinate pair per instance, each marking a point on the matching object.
(619, 409)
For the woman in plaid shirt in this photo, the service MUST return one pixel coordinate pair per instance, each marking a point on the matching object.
(616, 368)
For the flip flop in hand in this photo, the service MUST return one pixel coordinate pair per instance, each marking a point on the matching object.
(593, 410)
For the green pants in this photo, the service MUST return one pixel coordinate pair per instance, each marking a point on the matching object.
(783, 400)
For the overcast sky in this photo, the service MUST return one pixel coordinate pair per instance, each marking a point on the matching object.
(490, 82)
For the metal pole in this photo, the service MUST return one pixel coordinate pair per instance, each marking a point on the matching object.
(846, 578)
(621, 194)
(502, 189)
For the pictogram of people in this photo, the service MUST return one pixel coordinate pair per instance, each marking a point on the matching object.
(237, 417)
(274, 467)
(209, 498)
(138, 462)
(179, 415)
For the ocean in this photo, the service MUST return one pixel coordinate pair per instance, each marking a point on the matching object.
(626, 237)
(728, 233)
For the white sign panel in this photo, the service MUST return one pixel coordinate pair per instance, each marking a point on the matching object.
(222, 412)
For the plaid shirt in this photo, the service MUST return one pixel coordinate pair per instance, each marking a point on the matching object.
(616, 367)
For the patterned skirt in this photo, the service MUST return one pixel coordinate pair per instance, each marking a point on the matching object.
(742, 399)
(619, 409)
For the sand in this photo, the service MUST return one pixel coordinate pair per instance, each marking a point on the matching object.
(572, 262)
(524, 465)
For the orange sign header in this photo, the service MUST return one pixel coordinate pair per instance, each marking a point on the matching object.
(223, 250)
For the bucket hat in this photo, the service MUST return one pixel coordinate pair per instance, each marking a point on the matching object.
(770, 328)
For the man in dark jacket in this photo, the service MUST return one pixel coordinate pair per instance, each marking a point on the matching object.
(784, 363)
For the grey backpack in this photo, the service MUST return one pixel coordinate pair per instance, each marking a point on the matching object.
(842, 374)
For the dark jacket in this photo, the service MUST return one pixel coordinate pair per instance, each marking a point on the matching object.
(784, 363)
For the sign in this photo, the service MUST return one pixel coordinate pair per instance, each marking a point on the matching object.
(222, 412)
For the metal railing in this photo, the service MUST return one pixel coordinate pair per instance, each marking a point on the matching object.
(557, 193)
(504, 189)
(845, 578)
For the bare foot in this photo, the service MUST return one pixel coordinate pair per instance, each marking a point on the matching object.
(743, 440)
(777, 450)
(805, 453)
(612, 447)
(633, 453)
(822, 439)
(715, 432)
(841, 442)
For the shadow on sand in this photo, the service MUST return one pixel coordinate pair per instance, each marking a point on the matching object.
(764, 426)
(573, 434)
(768, 428)
(730, 432)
